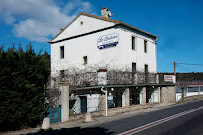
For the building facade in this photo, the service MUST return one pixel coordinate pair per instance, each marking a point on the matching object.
(103, 43)
(99, 41)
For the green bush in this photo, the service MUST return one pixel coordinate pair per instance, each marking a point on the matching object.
(23, 76)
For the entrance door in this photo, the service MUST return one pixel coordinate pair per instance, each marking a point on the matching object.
(83, 100)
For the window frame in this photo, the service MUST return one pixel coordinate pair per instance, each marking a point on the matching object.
(85, 60)
(62, 75)
(146, 65)
(133, 43)
(62, 52)
(133, 63)
(145, 46)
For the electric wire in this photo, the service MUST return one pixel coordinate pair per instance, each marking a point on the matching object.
(191, 64)
(183, 68)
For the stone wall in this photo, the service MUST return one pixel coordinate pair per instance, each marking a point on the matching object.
(102, 102)
(82, 115)
(127, 97)
(115, 111)
(167, 95)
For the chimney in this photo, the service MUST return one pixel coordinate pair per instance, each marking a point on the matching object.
(105, 12)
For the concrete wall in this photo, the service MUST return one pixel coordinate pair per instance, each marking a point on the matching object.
(92, 102)
(178, 95)
(78, 105)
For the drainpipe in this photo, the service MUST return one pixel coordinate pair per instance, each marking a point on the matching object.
(105, 91)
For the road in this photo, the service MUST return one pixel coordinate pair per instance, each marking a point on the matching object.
(185, 119)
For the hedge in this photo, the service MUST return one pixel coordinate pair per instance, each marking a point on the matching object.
(23, 76)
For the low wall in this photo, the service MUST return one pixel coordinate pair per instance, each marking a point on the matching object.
(178, 95)
(82, 115)
(114, 111)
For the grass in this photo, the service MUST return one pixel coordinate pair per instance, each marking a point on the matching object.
(191, 98)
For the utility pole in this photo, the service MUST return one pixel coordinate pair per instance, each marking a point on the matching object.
(174, 68)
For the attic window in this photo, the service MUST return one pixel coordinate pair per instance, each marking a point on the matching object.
(81, 23)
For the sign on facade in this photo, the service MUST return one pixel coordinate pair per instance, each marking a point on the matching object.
(168, 78)
(107, 41)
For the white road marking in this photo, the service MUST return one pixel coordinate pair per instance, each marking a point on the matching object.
(152, 124)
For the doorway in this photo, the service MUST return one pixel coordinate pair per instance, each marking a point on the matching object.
(83, 100)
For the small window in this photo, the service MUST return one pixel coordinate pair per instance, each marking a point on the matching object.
(146, 68)
(62, 75)
(85, 60)
(133, 43)
(133, 67)
(62, 52)
(145, 46)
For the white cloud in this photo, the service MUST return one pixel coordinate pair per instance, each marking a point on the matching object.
(35, 20)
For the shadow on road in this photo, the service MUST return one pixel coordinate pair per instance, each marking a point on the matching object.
(75, 131)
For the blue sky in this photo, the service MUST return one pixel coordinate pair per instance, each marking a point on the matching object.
(178, 23)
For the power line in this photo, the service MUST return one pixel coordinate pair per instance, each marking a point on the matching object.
(183, 68)
(191, 64)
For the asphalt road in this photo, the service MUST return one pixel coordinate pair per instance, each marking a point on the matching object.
(185, 119)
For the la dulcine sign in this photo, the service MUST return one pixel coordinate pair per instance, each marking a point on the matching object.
(107, 41)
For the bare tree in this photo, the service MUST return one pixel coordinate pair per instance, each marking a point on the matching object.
(183, 81)
(89, 76)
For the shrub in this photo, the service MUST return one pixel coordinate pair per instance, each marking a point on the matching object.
(23, 76)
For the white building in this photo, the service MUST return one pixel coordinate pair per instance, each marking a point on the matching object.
(98, 40)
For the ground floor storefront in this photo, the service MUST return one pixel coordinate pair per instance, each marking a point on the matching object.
(108, 100)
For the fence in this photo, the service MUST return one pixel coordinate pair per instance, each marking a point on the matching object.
(78, 80)
(189, 91)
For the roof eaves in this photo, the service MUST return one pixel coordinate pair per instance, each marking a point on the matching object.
(132, 27)
(105, 19)
(64, 29)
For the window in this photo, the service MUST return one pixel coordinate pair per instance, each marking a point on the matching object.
(136, 96)
(133, 43)
(84, 60)
(62, 52)
(145, 46)
(133, 67)
(146, 68)
(152, 95)
(62, 75)
(115, 98)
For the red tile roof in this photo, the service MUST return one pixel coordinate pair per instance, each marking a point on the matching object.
(100, 17)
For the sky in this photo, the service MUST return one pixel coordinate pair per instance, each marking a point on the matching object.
(177, 23)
